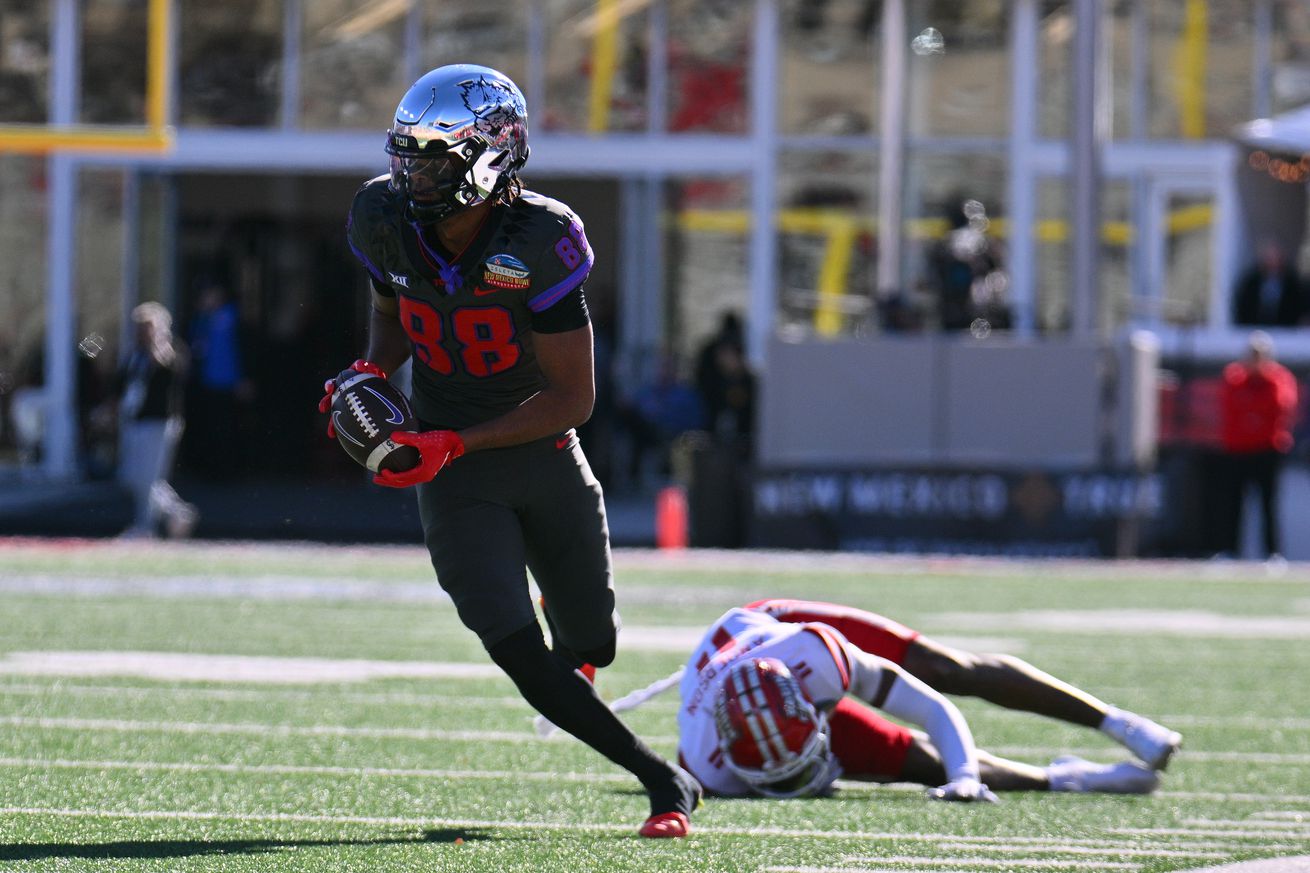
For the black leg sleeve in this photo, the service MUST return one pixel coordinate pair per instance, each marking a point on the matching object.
(548, 682)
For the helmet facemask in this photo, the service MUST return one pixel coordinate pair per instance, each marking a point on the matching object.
(435, 184)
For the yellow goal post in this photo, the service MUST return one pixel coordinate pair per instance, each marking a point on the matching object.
(155, 136)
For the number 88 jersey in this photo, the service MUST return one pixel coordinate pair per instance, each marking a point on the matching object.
(470, 316)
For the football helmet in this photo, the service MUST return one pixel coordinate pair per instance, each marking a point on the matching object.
(459, 137)
(772, 737)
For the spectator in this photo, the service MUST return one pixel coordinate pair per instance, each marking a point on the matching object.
(1271, 292)
(148, 394)
(221, 386)
(727, 386)
(965, 270)
(659, 412)
(1258, 402)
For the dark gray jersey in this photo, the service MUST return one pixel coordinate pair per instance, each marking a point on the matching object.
(471, 315)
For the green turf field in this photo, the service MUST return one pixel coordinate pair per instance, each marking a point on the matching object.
(309, 708)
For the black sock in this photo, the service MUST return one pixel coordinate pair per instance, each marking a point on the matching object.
(548, 683)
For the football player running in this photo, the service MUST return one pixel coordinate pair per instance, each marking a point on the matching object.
(774, 703)
(480, 282)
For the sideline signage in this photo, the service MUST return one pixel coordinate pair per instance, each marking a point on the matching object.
(1087, 513)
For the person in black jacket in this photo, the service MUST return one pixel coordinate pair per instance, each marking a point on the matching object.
(149, 386)
(1270, 293)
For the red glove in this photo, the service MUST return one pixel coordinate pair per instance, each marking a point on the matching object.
(436, 449)
(331, 385)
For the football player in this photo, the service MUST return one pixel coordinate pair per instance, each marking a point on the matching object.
(778, 699)
(480, 282)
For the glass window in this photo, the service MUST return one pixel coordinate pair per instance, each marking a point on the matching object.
(98, 290)
(829, 67)
(826, 242)
(953, 256)
(706, 248)
(1291, 54)
(22, 302)
(595, 66)
(352, 64)
(962, 86)
(24, 62)
(1054, 47)
(709, 53)
(229, 62)
(1200, 67)
(1054, 258)
(1114, 257)
(1054, 313)
(1188, 256)
(114, 51)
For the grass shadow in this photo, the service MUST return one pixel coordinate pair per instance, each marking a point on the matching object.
(188, 848)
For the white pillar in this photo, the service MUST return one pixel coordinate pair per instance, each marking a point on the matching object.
(762, 267)
(1086, 135)
(59, 440)
(1022, 185)
(891, 128)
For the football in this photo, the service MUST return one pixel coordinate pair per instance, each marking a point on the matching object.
(366, 410)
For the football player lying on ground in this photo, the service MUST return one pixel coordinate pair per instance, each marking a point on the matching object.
(773, 703)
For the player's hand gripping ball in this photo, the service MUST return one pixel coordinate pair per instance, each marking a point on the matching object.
(365, 411)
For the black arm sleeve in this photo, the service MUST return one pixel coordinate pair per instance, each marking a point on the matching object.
(568, 313)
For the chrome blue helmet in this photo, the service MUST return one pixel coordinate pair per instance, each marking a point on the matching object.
(459, 139)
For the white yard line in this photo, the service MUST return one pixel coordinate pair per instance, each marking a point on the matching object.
(512, 775)
(311, 770)
(261, 694)
(1108, 753)
(252, 728)
(1235, 833)
(1252, 822)
(1064, 848)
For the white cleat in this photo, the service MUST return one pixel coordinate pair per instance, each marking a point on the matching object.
(1154, 744)
(1071, 773)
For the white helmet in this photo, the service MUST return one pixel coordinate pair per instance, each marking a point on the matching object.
(771, 735)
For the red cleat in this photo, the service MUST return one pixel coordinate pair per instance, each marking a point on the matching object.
(666, 824)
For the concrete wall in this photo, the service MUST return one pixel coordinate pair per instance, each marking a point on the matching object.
(947, 401)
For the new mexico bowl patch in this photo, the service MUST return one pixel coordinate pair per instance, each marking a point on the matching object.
(506, 271)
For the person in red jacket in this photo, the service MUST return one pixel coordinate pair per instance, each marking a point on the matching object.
(1258, 404)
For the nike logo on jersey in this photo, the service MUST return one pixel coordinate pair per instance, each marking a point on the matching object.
(483, 292)
(402, 281)
(561, 442)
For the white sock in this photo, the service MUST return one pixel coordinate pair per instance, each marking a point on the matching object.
(1066, 775)
(1115, 724)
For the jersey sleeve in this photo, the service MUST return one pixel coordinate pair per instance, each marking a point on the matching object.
(556, 299)
(366, 230)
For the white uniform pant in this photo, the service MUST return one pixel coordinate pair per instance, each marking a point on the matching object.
(146, 450)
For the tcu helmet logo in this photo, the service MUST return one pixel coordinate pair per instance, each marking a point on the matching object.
(497, 108)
